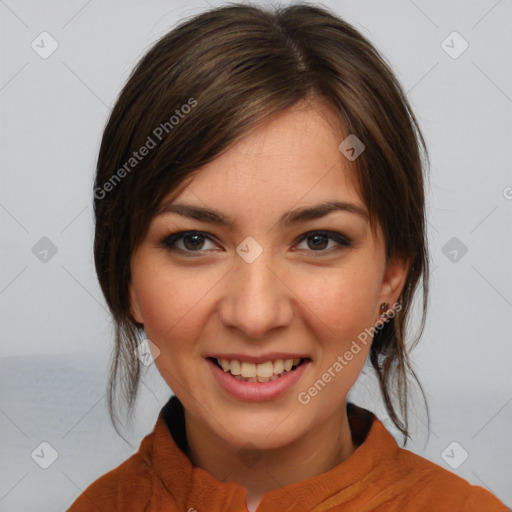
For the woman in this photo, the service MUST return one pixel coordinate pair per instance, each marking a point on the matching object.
(260, 219)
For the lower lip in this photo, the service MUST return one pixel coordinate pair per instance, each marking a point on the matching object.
(257, 391)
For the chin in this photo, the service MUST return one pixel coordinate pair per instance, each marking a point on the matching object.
(263, 431)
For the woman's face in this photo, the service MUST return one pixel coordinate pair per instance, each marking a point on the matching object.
(263, 287)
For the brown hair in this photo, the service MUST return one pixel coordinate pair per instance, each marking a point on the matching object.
(234, 66)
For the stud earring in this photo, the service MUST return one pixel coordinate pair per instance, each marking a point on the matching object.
(385, 310)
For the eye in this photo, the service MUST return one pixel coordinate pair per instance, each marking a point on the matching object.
(317, 240)
(190, 242)
(186, 241)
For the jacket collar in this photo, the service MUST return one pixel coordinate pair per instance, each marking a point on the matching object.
(193, 487)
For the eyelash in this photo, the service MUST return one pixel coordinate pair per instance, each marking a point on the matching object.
(169, 242)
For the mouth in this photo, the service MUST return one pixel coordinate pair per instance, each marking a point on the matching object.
(267, 371)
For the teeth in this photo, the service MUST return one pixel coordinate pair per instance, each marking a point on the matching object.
(235, 367)
(262, 372)
(278, 367)
(248, 369)
(265, 369)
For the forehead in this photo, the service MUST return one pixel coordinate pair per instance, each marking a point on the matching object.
(292, 159)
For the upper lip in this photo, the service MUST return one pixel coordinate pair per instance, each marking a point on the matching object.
(272, 356)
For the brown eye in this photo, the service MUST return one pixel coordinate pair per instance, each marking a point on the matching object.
(187, 242)
(317, 241)
(193, 242)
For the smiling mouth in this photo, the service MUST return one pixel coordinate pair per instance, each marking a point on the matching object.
(263, 372)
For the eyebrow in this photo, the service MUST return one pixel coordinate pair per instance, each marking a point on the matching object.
(292, 217)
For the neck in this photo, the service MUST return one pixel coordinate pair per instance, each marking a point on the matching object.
(262, 471)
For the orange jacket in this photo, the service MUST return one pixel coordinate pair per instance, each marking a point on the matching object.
(378, 477)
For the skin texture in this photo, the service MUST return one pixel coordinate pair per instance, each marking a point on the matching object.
(295, 297)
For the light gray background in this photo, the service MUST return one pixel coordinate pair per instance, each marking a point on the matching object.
(56, 333)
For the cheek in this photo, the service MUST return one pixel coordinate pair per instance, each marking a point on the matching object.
(343, 302)
(170, 305)
(172, 310)
(340, 306)
(340, 309)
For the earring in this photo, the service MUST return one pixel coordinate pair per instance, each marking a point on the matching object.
(385, 310)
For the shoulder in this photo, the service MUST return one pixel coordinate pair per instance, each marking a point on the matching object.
(428, 484)
(405, 481)
(126, 487)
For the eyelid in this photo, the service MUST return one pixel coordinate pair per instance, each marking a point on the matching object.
(169, 242)
(342, 241)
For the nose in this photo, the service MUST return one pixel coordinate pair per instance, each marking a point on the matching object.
(257, 299)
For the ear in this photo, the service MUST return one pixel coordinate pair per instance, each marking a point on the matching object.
(394, 279)
(134, 305)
